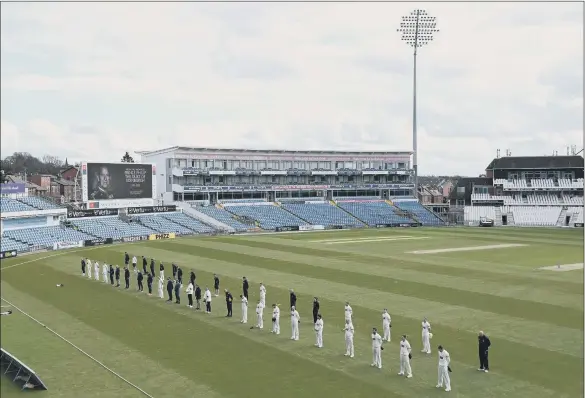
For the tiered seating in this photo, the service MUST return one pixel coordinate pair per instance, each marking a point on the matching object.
(571, 184)
(112, 227)
(241, 200)
(576, 214)
(573, 200)
(515, 184)
(223, 216)
(474, 214)
(322, 214)
(425, 216)
(308, 198)
(268, 216)
(537, 216)
(46, 236)
(542, 199)
(188, 222)
(342, 198)
(374, 213)
(543, 183)
(38, 203)
(8, 244)
(11, 205)
(161, 224)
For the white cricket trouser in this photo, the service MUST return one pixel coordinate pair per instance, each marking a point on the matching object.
(295, 330)
(276, 326)
(377, 357)
(162, 274)
(105, 275)
(319, 334)
(405, 365)
(89, 272)
(349, 346)
(444, 379)
(244, 314)
(259, 321)
(386, 332)
(161, 293)
(97, 273)
(426, 342)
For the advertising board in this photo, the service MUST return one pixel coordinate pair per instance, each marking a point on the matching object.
(115, 181)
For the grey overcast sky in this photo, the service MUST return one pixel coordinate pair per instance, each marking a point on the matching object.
(89, 81)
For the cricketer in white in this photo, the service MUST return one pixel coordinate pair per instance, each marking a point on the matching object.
(295, 318)
(319, 325)
(97, 271)
(444, 361)
(426, 338)
(405, 350)
(348, 312)
(259, 315)
(275, 319)
(376, 349)
(386, 322)
(349, 331)
(244, 309)
(161, 293)
(105, 272)
(89, 265)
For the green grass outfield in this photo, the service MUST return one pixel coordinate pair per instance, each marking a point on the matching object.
(533, 317)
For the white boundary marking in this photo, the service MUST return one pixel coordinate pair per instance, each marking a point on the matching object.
(338, 242)
(79, 349)
(468, 248)
(357, 239)
(562, 267)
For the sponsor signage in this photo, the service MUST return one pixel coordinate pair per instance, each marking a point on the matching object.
(67, 245)
(114, 181)
(8, 254)
(579, 225)
(201, 188)
(134, 238)
(98, 242)
(11, 187)
(162, 236)
(152, 209)
(91, 213)
(287, 228)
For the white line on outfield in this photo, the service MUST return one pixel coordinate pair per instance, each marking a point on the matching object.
(562, 267)
(373, 240)
(79, 349)
(356, 239)
(468, 248)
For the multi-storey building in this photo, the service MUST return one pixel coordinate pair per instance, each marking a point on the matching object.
(207, 174)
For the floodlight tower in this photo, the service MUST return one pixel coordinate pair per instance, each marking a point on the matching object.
(417, 30)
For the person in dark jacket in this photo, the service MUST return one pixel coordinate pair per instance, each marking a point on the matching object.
(174, 270)
(198, 297)
(229, 299)
(192, 277)
(83, 266)
(177, 292)
(112, 272)
(484, 344)
(245, 287)
(216, 284)
(126, 258)
(117, 275)
(152, 267)
(139, 279)
(149, 283)
(180, 275)
(127, 277)
(293, 298)
(315, 309)
(144, 264)
(170, 288)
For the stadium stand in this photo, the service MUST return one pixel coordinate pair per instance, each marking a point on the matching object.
(9, 244)
(421, 213)
(268, 217)
(224, 216)
(11, 205)
(473, 214)
(322, 214)
(38, 203)
(534, 216)
(375, 213)
(190, 223)
(159, 223)
(45, 237)
(111, 227)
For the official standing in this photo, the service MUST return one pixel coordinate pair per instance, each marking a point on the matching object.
(192, 277)
(190, 295)
(315, 309)
(161, 271)
(174, 270)
(245, 287)
(198, 297)
(170, 288)
(127, 277)
(83, 267)
(139, 278)
(180, 275)
(152, 264)
(144, 264)
(484, 345)
(112, 272)
(216, 284)
(293, 298)
(149, 283)
(177, 292)
(126, 258)
(117, 275)
(229, 299)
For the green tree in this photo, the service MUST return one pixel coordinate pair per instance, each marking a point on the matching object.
(127, 158)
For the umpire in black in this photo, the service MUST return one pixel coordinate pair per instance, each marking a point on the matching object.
(315, 309)
(152, 267)
(149, 283)
(127, 277)
(180, 275)
(293, 298)
(484, 344)
(229, 300)
(198, 297)
(170, 288)
(177, 292)
(112, 272)
(144, 263)
(139, 278)
(117, 274)
(245, 287)
(192, 277)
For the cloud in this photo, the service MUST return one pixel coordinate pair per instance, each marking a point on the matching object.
(290, 76)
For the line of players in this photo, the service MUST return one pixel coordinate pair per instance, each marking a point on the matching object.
(111, 273)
